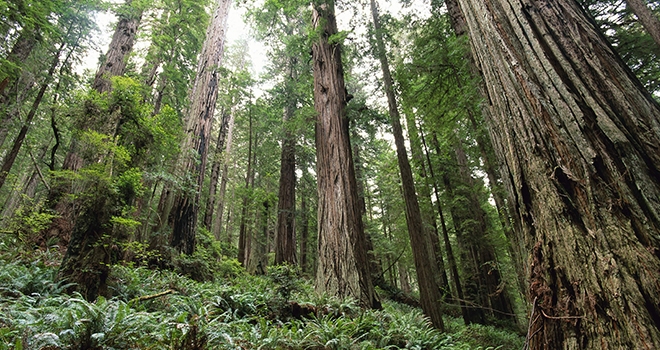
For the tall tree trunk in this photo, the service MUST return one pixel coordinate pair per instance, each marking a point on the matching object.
(217, 226)
(199, 121)
(375, 266)
(425, 261)
(304, 231)
(19, 82)
(343, 266)
(650, 21)
(285, 239)
(215, 173)
(243, 238)
(510, 225)
(8, 161)
(492, 292)
(451, 259)
(120, 48)
(578, 137)
(426, 205)
(261, 258)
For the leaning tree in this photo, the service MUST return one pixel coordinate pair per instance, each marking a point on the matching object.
(579, 142)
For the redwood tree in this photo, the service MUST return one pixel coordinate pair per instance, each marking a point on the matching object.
(578, 137)
(198, 126)
(343, 265)
(426, 265)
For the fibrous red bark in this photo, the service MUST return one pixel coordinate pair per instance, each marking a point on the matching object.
(343, 266)
(579, 139)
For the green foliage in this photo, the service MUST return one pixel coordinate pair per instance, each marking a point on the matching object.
(234, 312)
(28, 221)
(629, 38)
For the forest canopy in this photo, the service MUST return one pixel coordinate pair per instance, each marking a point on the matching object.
(370, 174)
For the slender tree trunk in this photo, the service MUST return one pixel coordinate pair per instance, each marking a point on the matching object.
(243, 239)
(19, 82)
(285, 240)
(215, 173)
(451, 260)
(262, 242)
(217, 226)
(425, 261)
(426, 204)
(375, 266)
(492, 291)
(403, 279)
(578, 137)
(343, 264)
(199, 121)
(8, 161)
(510, 225)
(304, 231)
(649, 20)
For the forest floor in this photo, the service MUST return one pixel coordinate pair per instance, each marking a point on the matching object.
(160, 309)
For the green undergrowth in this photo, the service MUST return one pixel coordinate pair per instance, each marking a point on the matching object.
(154, 309)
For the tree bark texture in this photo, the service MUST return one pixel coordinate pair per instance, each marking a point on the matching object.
(121, 46)
(343, 264)
(423, 255)
(198, 127)
(580, 142)
(649, 20)
(285, 239)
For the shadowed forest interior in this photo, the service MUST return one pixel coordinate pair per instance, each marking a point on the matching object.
(285, 174)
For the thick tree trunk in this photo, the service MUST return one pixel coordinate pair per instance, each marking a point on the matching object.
(343, 264)
(199, 121)
(285, 239)
(424, 257)
(649, 20)
(578, 137)
(120, 48)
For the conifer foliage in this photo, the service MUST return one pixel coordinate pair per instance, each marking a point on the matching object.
(493, 163)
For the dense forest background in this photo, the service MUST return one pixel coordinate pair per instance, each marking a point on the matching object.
(413, 174)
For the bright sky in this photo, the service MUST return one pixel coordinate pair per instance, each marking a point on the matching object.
(238, 29)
